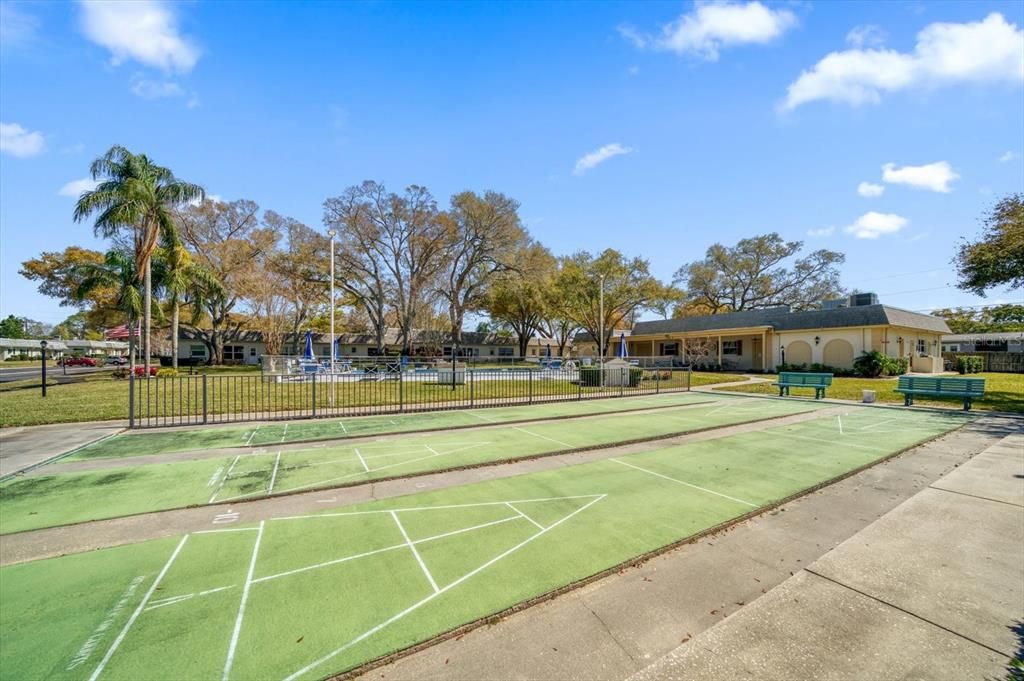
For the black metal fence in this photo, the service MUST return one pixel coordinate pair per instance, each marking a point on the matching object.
(385, 389)
(999, 362)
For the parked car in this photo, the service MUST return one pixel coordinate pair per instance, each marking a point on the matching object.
(115, 361)
(78, 362)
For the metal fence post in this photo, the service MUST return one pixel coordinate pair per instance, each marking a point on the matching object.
(131, 401)
(689, 377)
(401, 392)
(314, 395)
(205, 376)
(471, 381)
(623, 377)
(529, 373)
(579, 383)
(657, 380)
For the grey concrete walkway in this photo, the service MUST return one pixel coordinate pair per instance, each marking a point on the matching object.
(24, 447)
(617, 626)
(932, 590)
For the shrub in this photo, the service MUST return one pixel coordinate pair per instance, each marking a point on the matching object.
(969, 364)
(141, 371)
(871, 364)
(119, 373)
(163, 373)
(897, 366)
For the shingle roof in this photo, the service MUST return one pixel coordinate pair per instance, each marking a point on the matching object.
(780, 319)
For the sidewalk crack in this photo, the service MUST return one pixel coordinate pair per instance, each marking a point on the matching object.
(610, 634)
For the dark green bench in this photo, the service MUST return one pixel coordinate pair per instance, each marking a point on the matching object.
(966, 389)
(799, 379)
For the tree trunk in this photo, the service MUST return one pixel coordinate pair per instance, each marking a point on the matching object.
(131, 346)
(175, 313)
(148, 305)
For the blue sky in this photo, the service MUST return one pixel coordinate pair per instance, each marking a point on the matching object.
(654, 128)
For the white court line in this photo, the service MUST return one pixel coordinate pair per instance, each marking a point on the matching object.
(372, 470)
(252, 435)
(285, 433)
(343, 428)
(877, 423)
(434, 595)
(273, 475)
(698, 487)
(545, 437)
(819, 440)
(434, 508)
(524, 515)
(482, 417)
(361, 459)
(138, 611)
(241, 606)
(839, 420)
(415, 553)
(178, 599)
(383, 550)
(229, 529)
(224, 479)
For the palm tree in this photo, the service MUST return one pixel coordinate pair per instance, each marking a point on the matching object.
(117, 271)
(185, 279)
(138, 196)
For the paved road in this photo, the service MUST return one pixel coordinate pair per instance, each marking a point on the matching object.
(26, 373)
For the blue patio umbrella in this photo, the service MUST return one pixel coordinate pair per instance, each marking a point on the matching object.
(307, 352)
(337, 348)
(623, 353)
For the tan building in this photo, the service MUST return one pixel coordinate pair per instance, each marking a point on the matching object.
(759, 340)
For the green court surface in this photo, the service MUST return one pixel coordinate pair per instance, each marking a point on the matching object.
(311, 596)
(158, 441)
(41, 500)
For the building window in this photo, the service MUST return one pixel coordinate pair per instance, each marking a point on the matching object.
(492, 351)
(734, 347)
(990, 345)
(505, 352)
(252, 352)
(922, 347)
(197, 351)
(670, 349)
(233, 353)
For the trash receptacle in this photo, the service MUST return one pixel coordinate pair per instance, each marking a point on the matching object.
(868, 397)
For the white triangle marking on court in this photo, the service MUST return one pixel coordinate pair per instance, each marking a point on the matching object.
(596, 498)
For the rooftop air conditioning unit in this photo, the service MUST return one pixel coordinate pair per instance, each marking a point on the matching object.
(862, 299)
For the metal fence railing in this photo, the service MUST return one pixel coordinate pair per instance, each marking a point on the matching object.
(381, 389)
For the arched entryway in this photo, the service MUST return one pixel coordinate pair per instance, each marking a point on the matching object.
(798, 352)
(838, 353)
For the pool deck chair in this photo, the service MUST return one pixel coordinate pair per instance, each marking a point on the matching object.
(799, 379)
(966, 389)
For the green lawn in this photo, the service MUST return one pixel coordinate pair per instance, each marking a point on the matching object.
(45, 500)
(1003, 392)
(308, 597)
(101, 397)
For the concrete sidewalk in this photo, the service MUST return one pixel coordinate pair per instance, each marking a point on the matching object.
(932, 590)
(27, 446)
(619, 625)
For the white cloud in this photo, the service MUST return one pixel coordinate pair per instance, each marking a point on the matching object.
(74, 188)
(215, 198)
(156, 89)
(933, 176)
(17, 141)
(633, 70)
(144, 30)
(1009, 156)
(714, 25)
(872, 225)
(870, 190)
(596, 158)
(991, 50)
(823, 231)
(868, 34)
(17, 28)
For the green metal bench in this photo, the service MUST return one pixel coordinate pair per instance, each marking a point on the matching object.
(799, 379)
(966, 389)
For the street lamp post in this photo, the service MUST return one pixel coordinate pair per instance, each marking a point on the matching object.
(600, 342)
(42, 348)
(332, 233)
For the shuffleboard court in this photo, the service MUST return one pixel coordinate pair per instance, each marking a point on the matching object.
(310, 596)
(45, 500)
(139, 443)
